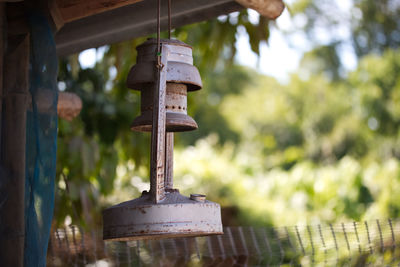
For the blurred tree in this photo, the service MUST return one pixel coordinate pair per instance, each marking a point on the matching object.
(309, 149)
(378, 85)
(360, 27)
(378, 28)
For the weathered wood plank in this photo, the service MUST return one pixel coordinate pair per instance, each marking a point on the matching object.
(16, 20)
(135, 20)
(2, 31)
(71, 10)
(15, 89)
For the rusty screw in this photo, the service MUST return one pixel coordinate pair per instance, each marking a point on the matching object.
(198, 197)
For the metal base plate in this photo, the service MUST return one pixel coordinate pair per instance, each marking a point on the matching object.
(175, 216)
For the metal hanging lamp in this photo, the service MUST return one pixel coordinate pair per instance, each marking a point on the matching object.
(181, 77)
(164, 73)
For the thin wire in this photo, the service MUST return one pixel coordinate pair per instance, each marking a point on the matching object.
(158, 29)
(169, 19)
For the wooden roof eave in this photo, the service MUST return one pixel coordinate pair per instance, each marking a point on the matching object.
(86, 24)
(135, 20)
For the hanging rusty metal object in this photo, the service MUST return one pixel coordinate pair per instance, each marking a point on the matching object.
(182, 77)
(163, 75)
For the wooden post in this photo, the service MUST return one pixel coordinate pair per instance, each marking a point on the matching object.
(15, 99)
(2, 32)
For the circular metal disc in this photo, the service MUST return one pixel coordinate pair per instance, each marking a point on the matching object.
(175, 216)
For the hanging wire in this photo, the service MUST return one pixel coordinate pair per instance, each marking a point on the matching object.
(159, 23)
(159, 28)
(169, 19)
(158, 31)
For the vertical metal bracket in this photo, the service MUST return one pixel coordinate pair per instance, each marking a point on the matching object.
(158, 132)
(169, 161)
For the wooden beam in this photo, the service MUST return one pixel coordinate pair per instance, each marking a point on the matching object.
(135, 20)
(271, 9)
(71, 10)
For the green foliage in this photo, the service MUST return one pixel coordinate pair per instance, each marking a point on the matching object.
(310, 193)
(379, 86)
(366, 26)
(378, 29)
(306, 149)
(215, 40)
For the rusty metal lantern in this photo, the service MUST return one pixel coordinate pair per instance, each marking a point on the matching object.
(164, 73)
(182, 77)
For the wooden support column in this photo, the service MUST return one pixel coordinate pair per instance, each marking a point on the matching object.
(2, 40)
(15, 100)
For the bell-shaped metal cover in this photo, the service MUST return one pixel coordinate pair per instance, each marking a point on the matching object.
(180, 67)
(177, 119)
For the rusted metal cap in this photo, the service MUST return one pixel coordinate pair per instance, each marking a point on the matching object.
(180, 67)
(177, 119)
(175, 122)
(175, 216)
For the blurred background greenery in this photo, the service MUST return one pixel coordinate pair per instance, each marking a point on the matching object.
(324, 146)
